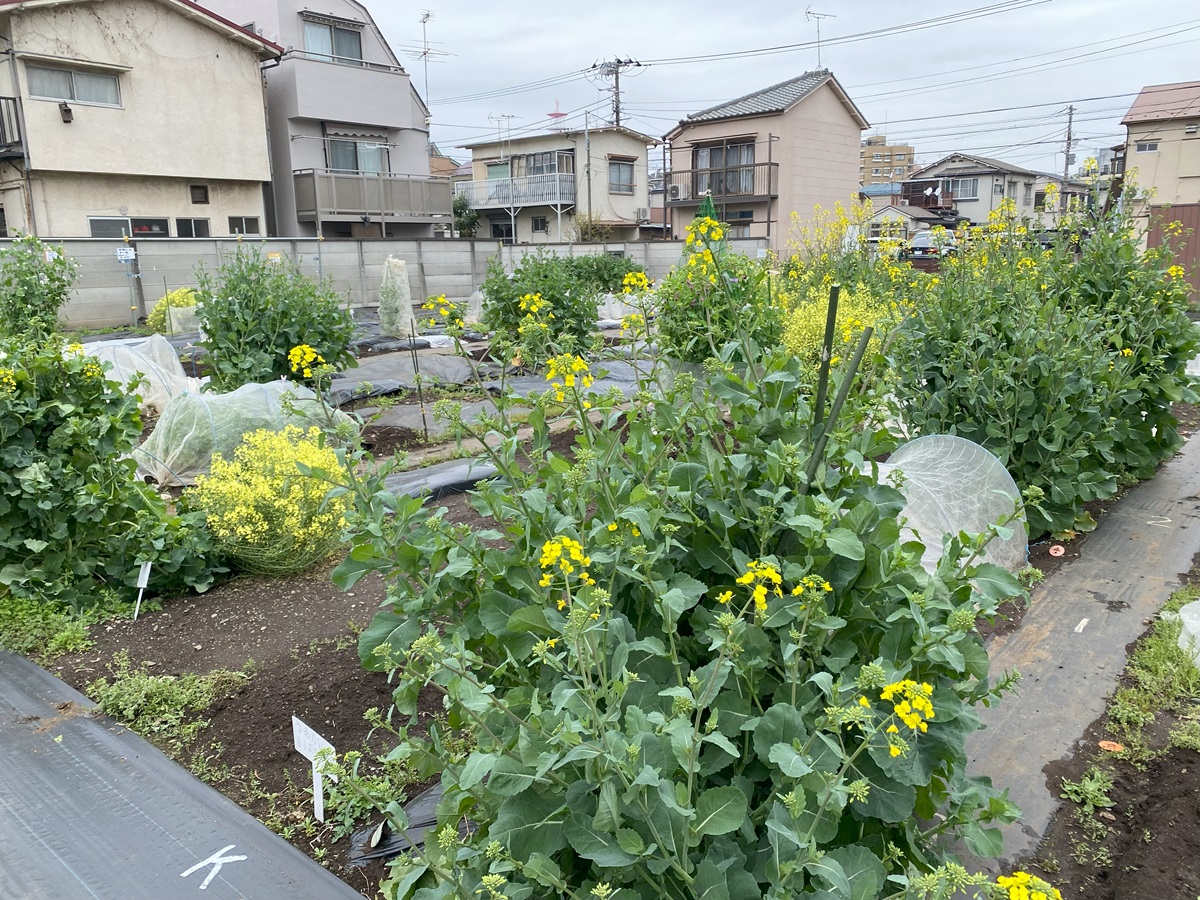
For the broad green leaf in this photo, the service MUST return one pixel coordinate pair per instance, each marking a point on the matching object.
(542, 869)
(530, 823)
(845, 543)
(600, 847)
(510, 777)
(390, 629)
(404, 881)
(789, 761)
(862, 868)
(829, 870)
(710, 882)
(719, 810)
(476, 768)
(782, 724)
(630, 841)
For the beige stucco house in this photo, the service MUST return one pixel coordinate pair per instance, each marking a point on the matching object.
(531, 189)
(349, 133)
(974, 186)
(1163, 143)
(130, 117)
(761, 157)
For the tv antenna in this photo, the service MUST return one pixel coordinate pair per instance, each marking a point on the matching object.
(817, 17)
(503, 121)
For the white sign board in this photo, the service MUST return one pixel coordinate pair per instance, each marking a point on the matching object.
(309, 744)
(126, 254)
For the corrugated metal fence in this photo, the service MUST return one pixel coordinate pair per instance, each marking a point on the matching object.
(1188, 252)
(114, 290)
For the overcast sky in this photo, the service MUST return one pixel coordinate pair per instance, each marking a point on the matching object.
(1035, 55)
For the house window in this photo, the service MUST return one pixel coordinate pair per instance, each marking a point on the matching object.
(338, 41)
(193, 228)
(1147, 146)
(876, 171)
(962, 188)
(540, 163)
(877, 157)
(1039, 200)
(725, 168)
(620, 176)
(541, 224)
(199, 193)
(899, 170)
(899, 157)
(1191, 129)
(108, 227)
(243, 225)
(998, 188)
(363, 157)
(99, 88)
(738, 231)
(502, 230)
(1028, 195)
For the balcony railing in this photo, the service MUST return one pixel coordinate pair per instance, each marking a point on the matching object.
(10, 129)
(531, 190)
(323, 194)
(926, 195)
(750, 182)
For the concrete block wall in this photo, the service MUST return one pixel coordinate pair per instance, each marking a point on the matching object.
(112, 293)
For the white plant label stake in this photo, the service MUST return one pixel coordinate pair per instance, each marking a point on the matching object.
(312, 747)
(143, 580)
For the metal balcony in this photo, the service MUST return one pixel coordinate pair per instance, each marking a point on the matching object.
(510, 193)
(757, 181)
(332, 196)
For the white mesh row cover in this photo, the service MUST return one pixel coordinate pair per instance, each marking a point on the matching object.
(615, 307)
(162, 374)
(194, 426)
(952, 485)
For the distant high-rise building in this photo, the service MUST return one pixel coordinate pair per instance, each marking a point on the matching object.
(880, 162)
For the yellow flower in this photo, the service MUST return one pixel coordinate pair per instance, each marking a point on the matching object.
(301, 357)
(725, 596)
(1126, 351)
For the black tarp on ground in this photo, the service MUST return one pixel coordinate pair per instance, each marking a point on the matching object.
(90, 810)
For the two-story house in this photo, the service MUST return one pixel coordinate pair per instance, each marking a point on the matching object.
(139, 118)
(541, 188)
(349, 133)
(763, 156)
(973, 186)
(1162, 161)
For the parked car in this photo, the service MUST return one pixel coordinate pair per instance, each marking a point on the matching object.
(928, 245)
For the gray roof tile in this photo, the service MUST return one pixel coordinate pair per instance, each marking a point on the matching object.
(774, 99)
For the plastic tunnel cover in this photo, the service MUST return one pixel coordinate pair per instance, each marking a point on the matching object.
(162, 375)
(952, 485)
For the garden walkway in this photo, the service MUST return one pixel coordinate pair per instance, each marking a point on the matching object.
(1070, 648)
(90, 810)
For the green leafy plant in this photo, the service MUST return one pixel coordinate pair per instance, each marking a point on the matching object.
(567, 289)
(73, 513)
(713, 297)
(466, 219)
(254, 309)
(161, 706)
(268, 514)
(697, 657)
(180, 298)
(35, 283)
(1064, 369)
(1091, 790)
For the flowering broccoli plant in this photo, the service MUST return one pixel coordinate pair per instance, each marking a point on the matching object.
(697, 656)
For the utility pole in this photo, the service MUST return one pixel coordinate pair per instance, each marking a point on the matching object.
(587, 166)
(612, 69)
(1068, 158)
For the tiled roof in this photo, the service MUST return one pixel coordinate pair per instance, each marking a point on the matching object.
(776, 98)
(1165, 101)
(983, 165)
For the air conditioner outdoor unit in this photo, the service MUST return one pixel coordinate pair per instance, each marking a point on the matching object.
(677, 192)
(643, 215)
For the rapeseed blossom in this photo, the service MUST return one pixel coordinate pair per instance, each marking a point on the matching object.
(301, 359)
(1023, 886)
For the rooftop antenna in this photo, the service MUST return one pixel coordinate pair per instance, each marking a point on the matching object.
(426, 16)
(817, 17)
(502, 121)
